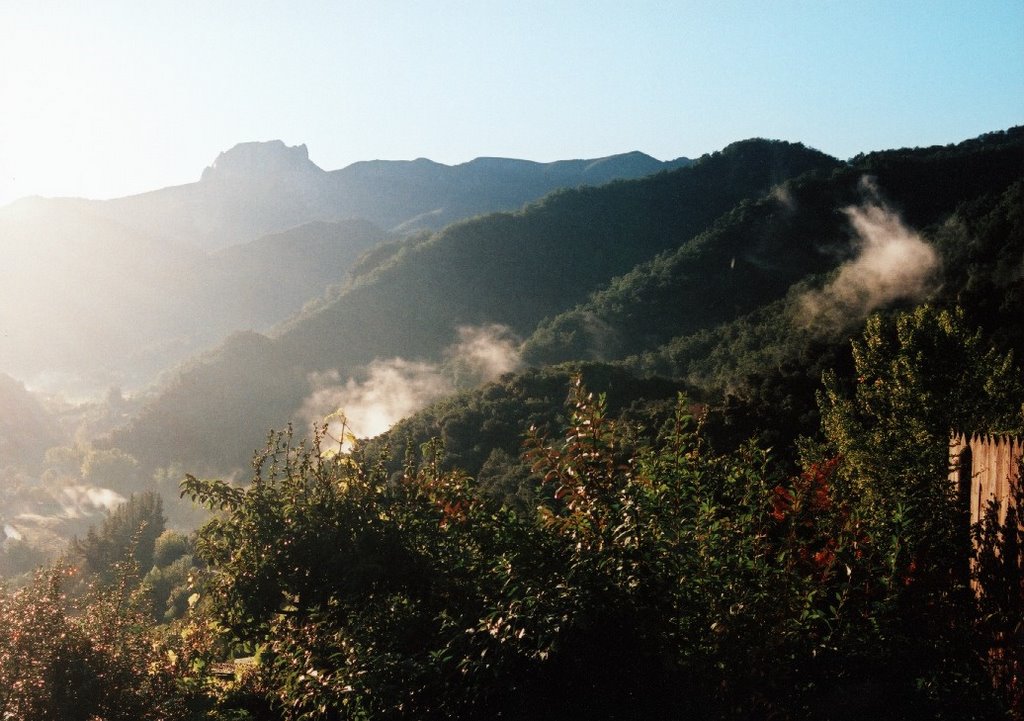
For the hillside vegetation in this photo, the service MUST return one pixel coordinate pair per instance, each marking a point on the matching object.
(509, 269)
(156, 278)
(674, 447)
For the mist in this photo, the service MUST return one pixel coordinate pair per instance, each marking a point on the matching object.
(46, 515)
(892, 262)
(81, 501)
(389, 390)
(483, 353)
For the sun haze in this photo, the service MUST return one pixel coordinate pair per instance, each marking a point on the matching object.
(103, 99)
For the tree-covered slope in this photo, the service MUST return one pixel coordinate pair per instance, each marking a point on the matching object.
(983, 247)
(482, 430)
(980, 247)
(763, 369)
(651, 559)
(515, 268)
(258, 284)
(753, 255)
(27, 429)
(86, 302)
(756, 362)
(678, 271)
(512, 269)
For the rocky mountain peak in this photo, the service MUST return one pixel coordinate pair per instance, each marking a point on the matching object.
(270, 158)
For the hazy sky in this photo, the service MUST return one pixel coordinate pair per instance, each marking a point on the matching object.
(106, 97)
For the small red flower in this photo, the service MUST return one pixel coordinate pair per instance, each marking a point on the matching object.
(824, 558)
(782, 503)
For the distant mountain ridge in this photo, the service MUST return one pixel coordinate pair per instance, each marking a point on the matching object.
(148, 280)
(680, 265)
(259, 188)
(511, 269)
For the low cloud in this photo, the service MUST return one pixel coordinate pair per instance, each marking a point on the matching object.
(84, 501)
(782, 195)
(392, 389)
(48, 517)
(483, 353)
(892, 263)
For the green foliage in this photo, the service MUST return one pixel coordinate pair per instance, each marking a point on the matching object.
(641, 564)
(168, 584)
(657, 580)
(930, 182)
(998, 573)
(686, 272)
(918, 376)
(513, 269)
(982, 247)
(483, 429)
(127, 536)
(80, 661)
(169, 588)
(747, 260)
(111, 468)
(169, 547)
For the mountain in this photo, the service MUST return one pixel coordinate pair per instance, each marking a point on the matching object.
(258, 284)
(27, 429)
(510, 269)
(757, 372)
(86, 302)
(763, 247)
(261, 188)
(77, 289)
(423, 195)
(101, 293)
(251, 190)
(713, 261)
(738, 279)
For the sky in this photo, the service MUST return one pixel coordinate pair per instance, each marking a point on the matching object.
(106, 98)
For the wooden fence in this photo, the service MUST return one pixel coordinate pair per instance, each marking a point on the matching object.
(983, 466)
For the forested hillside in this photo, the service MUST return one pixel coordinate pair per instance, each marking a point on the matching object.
(749, 314)
(156, 278)
(675, 447)
(759, 250)
(677, 271)
(88, 303)
(25, 426)
(510, 269)
(658, 575)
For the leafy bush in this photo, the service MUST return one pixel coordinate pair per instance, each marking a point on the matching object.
(999, 577)
(657, 580)
(91, 659)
